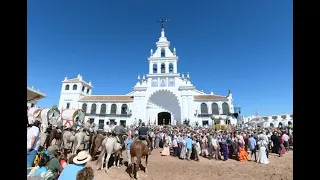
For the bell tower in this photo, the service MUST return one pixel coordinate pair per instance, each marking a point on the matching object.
(163, 61)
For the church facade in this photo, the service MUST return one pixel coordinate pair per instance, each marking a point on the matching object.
(163, 96)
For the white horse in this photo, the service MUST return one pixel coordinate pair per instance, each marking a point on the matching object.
(110, 145)
(68, 139)
(80, 137)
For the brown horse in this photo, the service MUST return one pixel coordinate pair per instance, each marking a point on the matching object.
(138, 149)
(94, 144)
(57, 135)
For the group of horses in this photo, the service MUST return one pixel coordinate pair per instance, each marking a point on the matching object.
(69, 140)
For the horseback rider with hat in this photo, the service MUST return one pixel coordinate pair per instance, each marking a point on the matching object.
(118, 132)
(143, 134)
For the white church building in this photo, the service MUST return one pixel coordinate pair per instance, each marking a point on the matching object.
(163, 96)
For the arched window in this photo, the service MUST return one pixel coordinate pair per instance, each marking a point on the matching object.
(88, 90)
(93, 108)
(225, 108)
(103, 109)
(155, 68)
(124, 109)
(84, 107)
(204, 108)
(74, 87)
(163, 68)
(67, 87)
(170, 68)
(83, 88)
(215, 108)
(163, 52)
(113, 109)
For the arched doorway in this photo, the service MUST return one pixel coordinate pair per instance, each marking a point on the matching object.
(164, 100)
(164, 118)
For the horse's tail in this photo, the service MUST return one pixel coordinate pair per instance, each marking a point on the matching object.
(103, 151)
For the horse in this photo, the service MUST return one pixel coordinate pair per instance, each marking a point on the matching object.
(68, 139)
(57, 135)
(138, 149)
(94, 144)
(80, 137)
(110, 145)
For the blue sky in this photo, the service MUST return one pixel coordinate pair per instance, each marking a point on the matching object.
(244, 46)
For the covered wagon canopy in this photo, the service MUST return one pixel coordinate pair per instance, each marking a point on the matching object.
(34, 95)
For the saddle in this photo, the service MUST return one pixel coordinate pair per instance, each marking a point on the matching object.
(144, 141)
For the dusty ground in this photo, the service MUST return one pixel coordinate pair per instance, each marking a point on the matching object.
(169, 168)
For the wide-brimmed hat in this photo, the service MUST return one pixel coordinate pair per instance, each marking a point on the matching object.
(82, 157)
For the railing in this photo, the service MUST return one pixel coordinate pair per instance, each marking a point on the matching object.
(109, 115)
(209, 115)
(204, 115)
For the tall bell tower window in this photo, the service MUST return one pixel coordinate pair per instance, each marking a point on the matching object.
(170, 68)
(163, 52)
(155, 68)
(163, 68)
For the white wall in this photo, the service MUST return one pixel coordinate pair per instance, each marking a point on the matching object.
(72, 96)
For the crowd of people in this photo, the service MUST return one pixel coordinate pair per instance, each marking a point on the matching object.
(52, 164)
(184, 142)
(239, 144)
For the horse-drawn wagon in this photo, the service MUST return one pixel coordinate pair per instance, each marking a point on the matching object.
(45, 116)
(69, 116)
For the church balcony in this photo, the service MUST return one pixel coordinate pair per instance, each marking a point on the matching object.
(204, 115)
(109, 115)
(209, 115)
(163, 75)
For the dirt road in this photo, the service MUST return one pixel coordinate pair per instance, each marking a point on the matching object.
(170, 168)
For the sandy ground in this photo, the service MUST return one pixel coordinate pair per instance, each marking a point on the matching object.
(169, 168)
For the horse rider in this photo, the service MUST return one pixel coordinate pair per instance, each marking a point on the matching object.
(119, 131)
(86, 127)
(76, 124)
(112, 126)
(107, 129)
(143, 134)
(94, 128)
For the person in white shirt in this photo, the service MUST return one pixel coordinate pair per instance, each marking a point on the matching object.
(106, 128)
(113, 126)
(33, 143)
